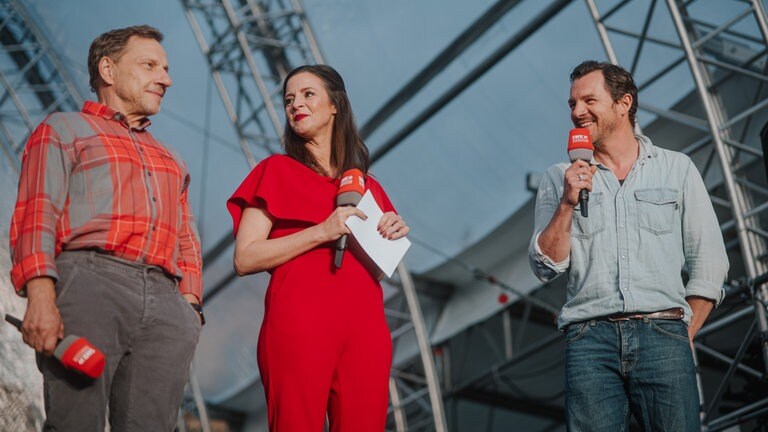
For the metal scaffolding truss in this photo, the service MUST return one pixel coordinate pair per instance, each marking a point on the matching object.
(722, 59)
(720, 54)
(510, 366)
(251, 45)
(725, 56)
(33, 79)
(414, 388)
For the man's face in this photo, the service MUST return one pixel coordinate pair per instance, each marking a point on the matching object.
(593, 108)
(140, 78)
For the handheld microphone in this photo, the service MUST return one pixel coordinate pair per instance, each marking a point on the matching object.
(74, 353)
(351, 190)
(580, 147)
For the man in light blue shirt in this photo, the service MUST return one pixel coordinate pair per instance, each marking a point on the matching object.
(630, 317)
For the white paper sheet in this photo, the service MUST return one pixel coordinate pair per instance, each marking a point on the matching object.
(385, 253)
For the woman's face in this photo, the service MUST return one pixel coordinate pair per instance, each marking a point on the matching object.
(308, 106)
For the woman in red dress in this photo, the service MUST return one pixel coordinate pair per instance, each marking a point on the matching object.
(324, 345)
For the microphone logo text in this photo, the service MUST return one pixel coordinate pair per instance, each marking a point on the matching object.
(83, 355)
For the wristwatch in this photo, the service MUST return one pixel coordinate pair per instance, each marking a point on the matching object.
(199, 309)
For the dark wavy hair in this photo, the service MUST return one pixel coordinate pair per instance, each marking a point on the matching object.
(112, 44)
(347, 147)
(618, 82)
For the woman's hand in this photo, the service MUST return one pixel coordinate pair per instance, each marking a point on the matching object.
(392, 226)
(335, 227)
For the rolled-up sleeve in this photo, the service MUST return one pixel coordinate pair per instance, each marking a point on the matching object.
(190, 260)
(45, 169)
(705, 255)
(547, 199)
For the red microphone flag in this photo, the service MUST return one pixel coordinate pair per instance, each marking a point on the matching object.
(351, 190)
(580, 145)
(352, 181)
(78, 354)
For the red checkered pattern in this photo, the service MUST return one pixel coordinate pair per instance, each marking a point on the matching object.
(89, 181)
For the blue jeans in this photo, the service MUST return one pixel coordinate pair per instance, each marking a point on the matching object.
(642, 367)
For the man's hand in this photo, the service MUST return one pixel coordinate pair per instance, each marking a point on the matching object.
(192, 299)
(42, 327)
(700, 308)
(577, 177)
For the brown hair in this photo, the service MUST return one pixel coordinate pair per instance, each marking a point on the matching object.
(347, 147)
(618, 82)
(112, 44)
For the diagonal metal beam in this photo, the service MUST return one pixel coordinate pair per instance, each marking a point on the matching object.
(438, 64)
(513, 42)
(34, 81)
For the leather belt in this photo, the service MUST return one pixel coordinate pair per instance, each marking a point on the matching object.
(667, 314)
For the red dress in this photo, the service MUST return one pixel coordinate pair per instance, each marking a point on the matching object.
(324, 344)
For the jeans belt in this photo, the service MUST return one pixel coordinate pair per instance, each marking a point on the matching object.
(667, 314)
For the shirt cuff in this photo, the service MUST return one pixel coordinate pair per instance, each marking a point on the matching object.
(192, 284)
(32, 266)
(557, 266)
(705, 289)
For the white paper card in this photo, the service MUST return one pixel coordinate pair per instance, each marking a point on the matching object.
(385, 253)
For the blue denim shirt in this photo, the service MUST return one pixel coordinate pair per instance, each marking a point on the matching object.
(629, 254)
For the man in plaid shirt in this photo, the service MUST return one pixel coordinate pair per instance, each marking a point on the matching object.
(104, 246)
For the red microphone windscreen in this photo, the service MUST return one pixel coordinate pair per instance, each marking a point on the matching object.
(78, 354)
(580, 145)
(352, 180)
(351, 188)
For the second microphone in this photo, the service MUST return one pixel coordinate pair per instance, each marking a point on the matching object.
(351, 190)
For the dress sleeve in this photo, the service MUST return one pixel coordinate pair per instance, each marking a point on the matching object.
(379, 195)
(286, 190)
(246, 195)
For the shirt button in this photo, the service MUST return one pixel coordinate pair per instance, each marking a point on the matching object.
(154, 228)
(621, 226)
(149, 174)
(154, 199)
(623, 257)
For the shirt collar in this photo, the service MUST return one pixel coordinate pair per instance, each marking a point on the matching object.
(647, 149)
(106, 112)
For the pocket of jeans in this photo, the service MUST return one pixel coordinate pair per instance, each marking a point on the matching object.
(575, 332)
(63, 285)
(656, 209)
(586, 227)
(674, 329)
(192, 315)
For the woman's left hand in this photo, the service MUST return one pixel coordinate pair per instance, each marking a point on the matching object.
(392, 226)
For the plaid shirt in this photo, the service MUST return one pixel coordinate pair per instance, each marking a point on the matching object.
(89, 181)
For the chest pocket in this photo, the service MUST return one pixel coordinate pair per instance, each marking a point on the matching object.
(656, 209)
(586, 227)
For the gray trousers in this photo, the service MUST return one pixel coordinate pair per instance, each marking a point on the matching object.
(148, 332)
